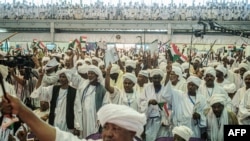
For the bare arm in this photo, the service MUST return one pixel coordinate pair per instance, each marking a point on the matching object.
(42, 130)
(107, 80)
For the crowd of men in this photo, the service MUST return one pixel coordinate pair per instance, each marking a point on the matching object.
(228, 11)
(67, 90)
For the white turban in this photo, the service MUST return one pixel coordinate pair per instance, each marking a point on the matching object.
(243, 65)
(96, 59)
(194, 79)
(115, 69)
(144, 73)
(217, 98)
(131, 77)
(183, 131)
(122, 116)
(88, 60)
(177, 71)
(197, 59)
(210, 70)
(83, 69)
(52, 63)
(230, 88)
(67, 72)
(97, 71)
(130, 63)
(156, 72)
(245, 75)
(4, 71)
(222, 69)
(184, 66)
(80, 61)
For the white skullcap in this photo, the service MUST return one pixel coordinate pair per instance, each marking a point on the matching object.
(245, 75)
(43, 97)
(96, 59)
(83, 69)
(163, 66)
(184, 66)
(88, 60)
(80, 61)
(177, 65)
(243, 65)
(222, 69)
(234, 69)
(45, 58)
(210, 70)
(217, 98)
(52, 63)
(130, 76)
(130, 63)
(122, 59)
(4, 71)
(177, 71)
(183, 131)
(196, 80)
(156, 72)
(197, 59)
(144, 73)
(115, 69)
(122, 116)
(67, 72)
(97, 71)
(58, 55)
(230, 88)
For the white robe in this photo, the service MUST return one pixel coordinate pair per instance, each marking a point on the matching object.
(244, 109)
(87, 114)
(183, 108)
(208, 92)
(155, 116)
(60, 110)
(239, 95)
(123, 98)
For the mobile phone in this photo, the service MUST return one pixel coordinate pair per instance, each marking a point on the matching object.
(30, 136)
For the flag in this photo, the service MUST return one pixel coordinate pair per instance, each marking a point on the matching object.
(111, 56)
(175, 54)
(74, 44)
(39, 44)
(83, 41)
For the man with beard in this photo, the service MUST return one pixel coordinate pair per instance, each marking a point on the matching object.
(209, 88)
(241, 101)
(187, 106)
(218, 116)
(119, 122)
(155, 107)
(62, 101)
(90, 97)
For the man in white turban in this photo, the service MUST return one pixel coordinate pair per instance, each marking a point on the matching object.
(155, 107)
(187, 106)
(209, 87)
(221, 72)
(218, 116)
(177, 80)
(116, 76)
(90, 97)
(126, 96)
(119, 122)
(62, 102)
(142, 79)
(242, 101)
(182, 132)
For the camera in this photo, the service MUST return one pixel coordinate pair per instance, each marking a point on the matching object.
(20, 61)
